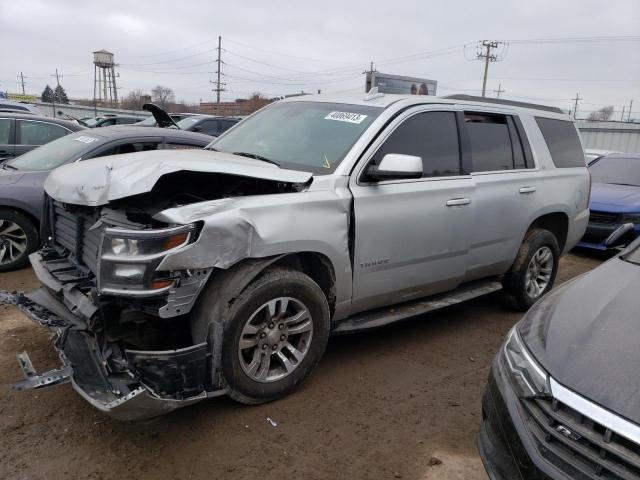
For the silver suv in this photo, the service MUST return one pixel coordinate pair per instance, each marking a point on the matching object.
(170, 277)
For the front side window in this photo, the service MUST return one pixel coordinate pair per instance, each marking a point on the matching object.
(39, 133)
(563, 142)
(128, 147)
(432, 136)
(5, 131)
(308, 136)
(490, 142)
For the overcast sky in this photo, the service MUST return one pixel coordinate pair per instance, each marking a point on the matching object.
(278, 47)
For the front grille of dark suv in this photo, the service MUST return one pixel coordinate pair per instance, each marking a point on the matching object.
(73, 231)
(604, 218)
(578, 445)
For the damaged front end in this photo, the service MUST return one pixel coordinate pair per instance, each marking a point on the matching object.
(119, 325)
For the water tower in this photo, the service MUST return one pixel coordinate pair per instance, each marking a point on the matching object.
(104, 78)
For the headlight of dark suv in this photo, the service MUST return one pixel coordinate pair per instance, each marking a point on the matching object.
(129, 258)
(527, 376)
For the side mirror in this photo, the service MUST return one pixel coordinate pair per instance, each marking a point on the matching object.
(395, 166)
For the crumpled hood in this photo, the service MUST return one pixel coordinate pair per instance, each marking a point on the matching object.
(614, 198)
(586, 334)
(101, 180)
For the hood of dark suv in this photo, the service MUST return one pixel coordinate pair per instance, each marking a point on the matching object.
(586, 334)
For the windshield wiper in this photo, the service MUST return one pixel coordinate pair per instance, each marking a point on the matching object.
(8, 166)
(624, 184)
(257, 157)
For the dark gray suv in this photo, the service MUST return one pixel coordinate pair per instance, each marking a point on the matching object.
(21, 132)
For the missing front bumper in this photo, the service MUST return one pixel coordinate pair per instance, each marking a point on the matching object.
(155, 382)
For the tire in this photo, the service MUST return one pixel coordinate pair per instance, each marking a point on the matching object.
(520, 280)
(18, 239)
(251, 310)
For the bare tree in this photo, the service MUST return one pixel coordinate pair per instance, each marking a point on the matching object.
(602, 115)
(163, 96)
(132, 100)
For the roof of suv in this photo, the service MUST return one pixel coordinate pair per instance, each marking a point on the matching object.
(385, 100)
(41, 118)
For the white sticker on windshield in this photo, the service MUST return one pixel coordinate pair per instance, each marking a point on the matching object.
(346, 117)
(85, 139)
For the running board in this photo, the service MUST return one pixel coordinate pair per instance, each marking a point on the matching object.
(384, 316)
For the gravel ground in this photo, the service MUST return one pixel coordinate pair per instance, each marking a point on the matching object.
(401, 402)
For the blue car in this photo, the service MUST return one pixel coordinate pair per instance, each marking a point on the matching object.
(615, 202)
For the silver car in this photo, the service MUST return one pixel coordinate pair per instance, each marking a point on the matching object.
(171, 277)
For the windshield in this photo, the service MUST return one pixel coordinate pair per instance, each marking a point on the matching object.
(56, 153)
(616, 170)
(185, 123)
(310, 136)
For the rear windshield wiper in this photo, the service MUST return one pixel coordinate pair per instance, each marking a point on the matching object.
(257, 157)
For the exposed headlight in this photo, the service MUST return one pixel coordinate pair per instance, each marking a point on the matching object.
(631, 218)
(528, 376)
(129, 259)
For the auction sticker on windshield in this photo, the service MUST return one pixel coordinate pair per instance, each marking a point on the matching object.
(346, 117)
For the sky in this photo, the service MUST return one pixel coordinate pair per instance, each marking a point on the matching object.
(555, 48)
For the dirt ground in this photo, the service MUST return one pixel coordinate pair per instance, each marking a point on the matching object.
(401, 402)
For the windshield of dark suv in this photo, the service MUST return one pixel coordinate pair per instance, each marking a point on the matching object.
(53, 154)
(616, 170)
(309, 136)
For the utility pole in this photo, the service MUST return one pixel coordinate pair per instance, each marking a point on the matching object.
(218, 83)
(629, 114)
(622, 116)
(484, 51)
(22, 82)
(499, 90)
(575, 106)
(369, 80)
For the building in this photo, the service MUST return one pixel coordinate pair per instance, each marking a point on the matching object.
(618, 136)
(241, 106)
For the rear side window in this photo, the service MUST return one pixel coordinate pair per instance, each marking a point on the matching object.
(39, 133)
(563, 142)
(490, 142)
(433, 136)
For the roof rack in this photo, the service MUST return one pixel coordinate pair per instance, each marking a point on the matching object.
(472, 98)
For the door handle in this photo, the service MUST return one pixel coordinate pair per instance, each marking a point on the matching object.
(455, 202)
(527, 189)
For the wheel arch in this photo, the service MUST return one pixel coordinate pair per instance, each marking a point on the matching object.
(23, 211)
(555, 222)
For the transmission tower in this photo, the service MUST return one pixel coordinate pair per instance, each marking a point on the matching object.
(485, 48)
(218, 83)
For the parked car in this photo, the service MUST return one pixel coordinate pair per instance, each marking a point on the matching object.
(207, 124)
(593, 154)
(18, 107)
(21, 180)
(22, 132)
(615, 202)
(223, 271)
(109, 120)
(562, 396)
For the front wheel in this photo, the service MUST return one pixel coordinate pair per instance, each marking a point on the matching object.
(277, 331)
(18, 238)
(534, 271)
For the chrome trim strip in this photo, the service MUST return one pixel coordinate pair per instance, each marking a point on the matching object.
(596, 413)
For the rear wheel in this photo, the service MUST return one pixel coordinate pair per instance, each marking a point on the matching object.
(18, 238)
(277, 331)
(534, 271)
